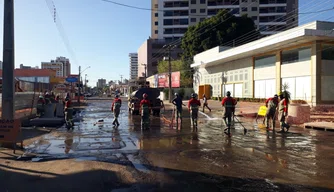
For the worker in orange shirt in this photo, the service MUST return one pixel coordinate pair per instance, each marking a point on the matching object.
(193, 107)
(271, 104)
(116, 109)
(145, 108)
(283, 113)
(229, 104)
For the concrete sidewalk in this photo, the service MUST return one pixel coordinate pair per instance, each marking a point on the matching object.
(326, 126)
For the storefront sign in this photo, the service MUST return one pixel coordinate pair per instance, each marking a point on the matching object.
(163, 80)
(71, 79)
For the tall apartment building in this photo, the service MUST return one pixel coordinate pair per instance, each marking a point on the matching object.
(133, 61)
(101, 83)
(270, 16)
(150, 54)
(67, 65)
(62, 66)
(56, 66)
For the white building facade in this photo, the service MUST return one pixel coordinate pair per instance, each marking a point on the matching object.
(302, 58)
(270, 16)
(133, 63)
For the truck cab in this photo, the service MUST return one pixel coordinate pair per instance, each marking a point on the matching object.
(137, 96)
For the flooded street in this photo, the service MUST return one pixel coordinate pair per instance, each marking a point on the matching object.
(206, 160)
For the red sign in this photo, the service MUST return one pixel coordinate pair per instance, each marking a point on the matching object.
(163, 80)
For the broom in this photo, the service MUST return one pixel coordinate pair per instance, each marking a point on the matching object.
(101, 120)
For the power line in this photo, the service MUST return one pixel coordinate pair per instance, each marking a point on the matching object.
(61, 30)
(148, 9)
(157, 10)
(321, 11)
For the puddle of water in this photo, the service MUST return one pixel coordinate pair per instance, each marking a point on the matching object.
(86, 159)
(36, 159)
(137, 164)
(208, 117)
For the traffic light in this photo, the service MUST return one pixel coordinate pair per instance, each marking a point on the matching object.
(79, 85)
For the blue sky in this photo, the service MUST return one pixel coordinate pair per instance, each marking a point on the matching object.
(101, 34)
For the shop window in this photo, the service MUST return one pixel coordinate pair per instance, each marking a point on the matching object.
(236, 77)
(327, 52)
(296, 55)
(265, 61)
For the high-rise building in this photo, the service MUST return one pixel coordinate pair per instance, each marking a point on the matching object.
(133, 60)
(101, 83)
(150, 54)
(56, 66)
(67, 65)
(62, 66)
(174, 17)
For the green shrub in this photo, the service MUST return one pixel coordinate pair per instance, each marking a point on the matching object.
(182, 92)
(166, 91)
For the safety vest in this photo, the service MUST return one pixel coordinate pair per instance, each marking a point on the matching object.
(145, 108)
(118, 104)
(194, 106)
(229, 105)
(68, 105)
(272, 104)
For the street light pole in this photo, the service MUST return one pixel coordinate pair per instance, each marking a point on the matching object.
(80, 82)
(85, 83)
(79, 86)
(8, 90)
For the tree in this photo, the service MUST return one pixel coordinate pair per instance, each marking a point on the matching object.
(216, 31)
(176, 66)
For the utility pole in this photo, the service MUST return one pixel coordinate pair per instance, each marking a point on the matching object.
(79, 85)
(121, 79)
(8, 90)
(169, 49)
(85, 82)
(169, 75)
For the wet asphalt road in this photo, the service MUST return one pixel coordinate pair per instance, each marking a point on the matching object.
(257, 161)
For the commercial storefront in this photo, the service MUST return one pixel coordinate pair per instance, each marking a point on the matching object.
(302, 58)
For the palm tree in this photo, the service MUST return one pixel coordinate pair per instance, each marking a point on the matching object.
(285, 92)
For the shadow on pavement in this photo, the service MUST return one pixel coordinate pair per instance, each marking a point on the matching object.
(13, 179)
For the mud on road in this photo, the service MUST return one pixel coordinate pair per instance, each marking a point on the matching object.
(100, 157)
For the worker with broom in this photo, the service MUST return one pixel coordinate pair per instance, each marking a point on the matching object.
(116, 109)
(229, 104)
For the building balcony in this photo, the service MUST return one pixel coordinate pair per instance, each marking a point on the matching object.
(272, 14)
(272, 23)
(273, 5)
